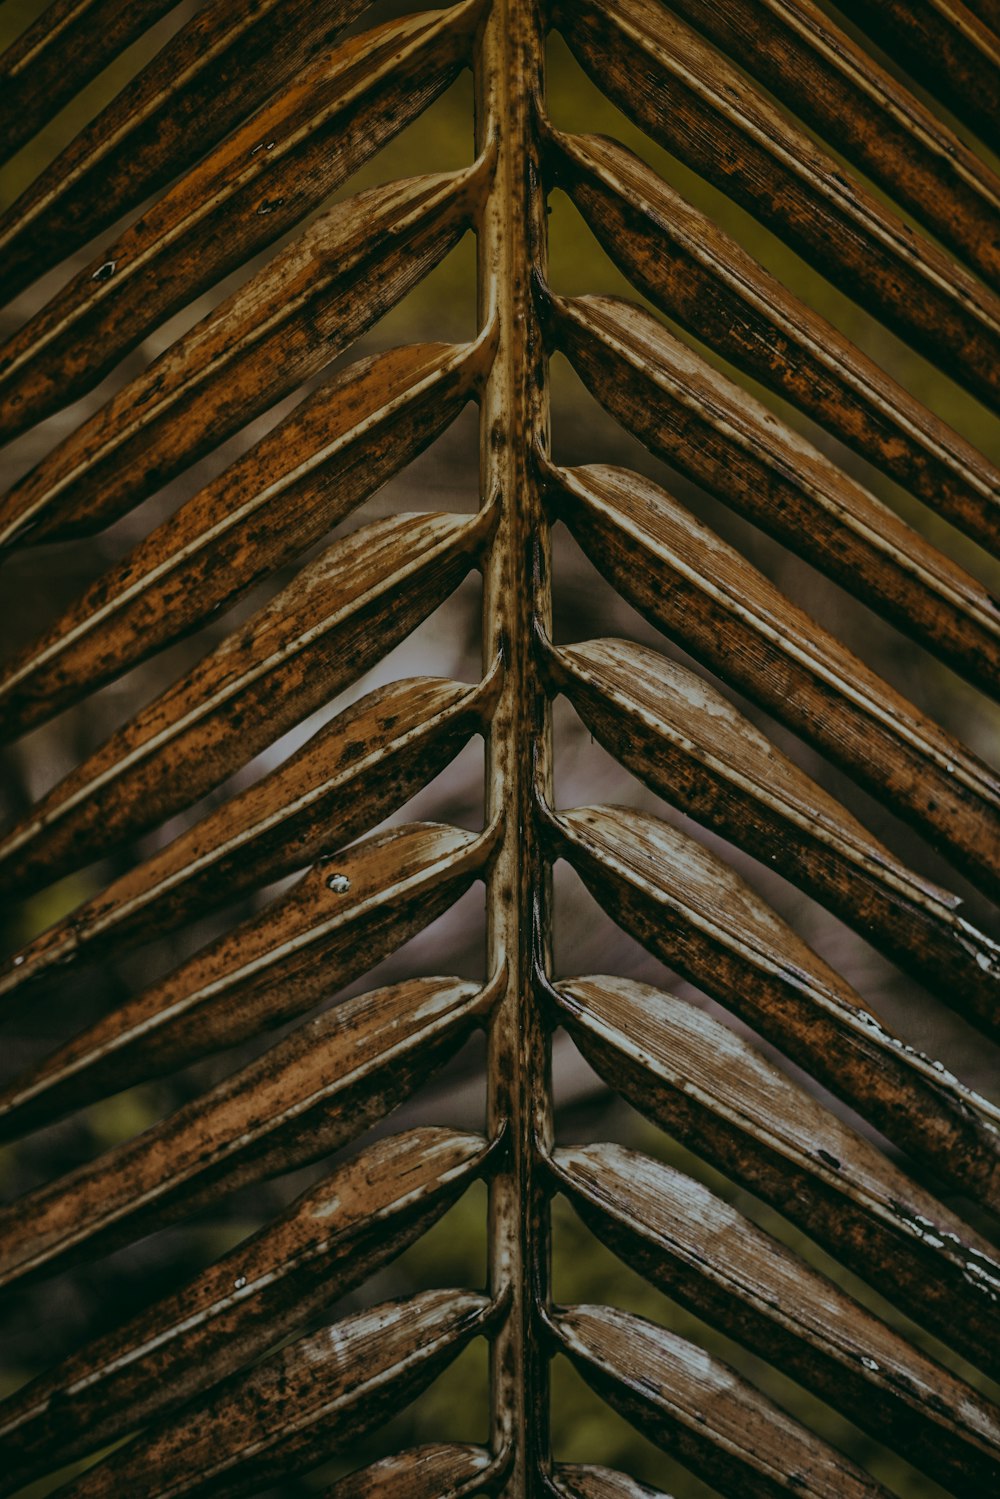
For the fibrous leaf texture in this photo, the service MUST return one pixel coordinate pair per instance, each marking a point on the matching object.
(739, 569)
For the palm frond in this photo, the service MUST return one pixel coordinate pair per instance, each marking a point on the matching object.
(218, 909)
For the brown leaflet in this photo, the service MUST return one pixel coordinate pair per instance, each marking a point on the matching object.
(236, 202)
(212, 73)
(279, 328)
(353, 772)
(988, 12)
(697, 274)
(436, 1472)
(714, 1093)
(335, 450)
(340, 615)
(704, 1254)
(701, 109)
(700, 1410)
(687, 742)
(718, 435)
(792, 47)
(64, 48)
(576, 1481)
(294, 1409)
(685, 905)
(945, 48)
(701, 592)
(335, 923)
(328, 1242)
(325, 1084)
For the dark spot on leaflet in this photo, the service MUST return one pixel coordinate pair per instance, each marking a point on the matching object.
(104, 272)
(831, 1160)
(151, 392)
(268, 205)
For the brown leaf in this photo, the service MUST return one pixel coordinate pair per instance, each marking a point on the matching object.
(576, 1481)
(64, 48)
(701, 276)
(704, 111)
(685, 905)
(237, 201)
(330, 1240)
(422, 1473)
(291, 1411)
(334, 452)
(702, 593)
(703, 1253)
(320, 1087)
(708, 1088)
(215, 70)
(340, 615)
(697, 1408)
(846, 96)
(354, 771)
(279, 328)
(686, 741)
(952, 53)
(339, 920)
(717, 435)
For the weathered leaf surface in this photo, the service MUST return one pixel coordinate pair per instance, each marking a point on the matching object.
(339, 616)
(578, 1481)
(703, 110)
(323, 1085)
(334, 452)
(329, 1241)
(699, 275)
(211, 74)
(702, 593)
(291, 1411)
(706, 1255)
(354, 771)
(686, 741)
(718, 1095)
(835, 87)
(952, 53)
(237, 201)
(988, 12)
(61, 51)
(765, 101)
(685, 905)
(437, 1472)
(282, 326)
(303, 947)
(719, 436)
(697, 1408)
